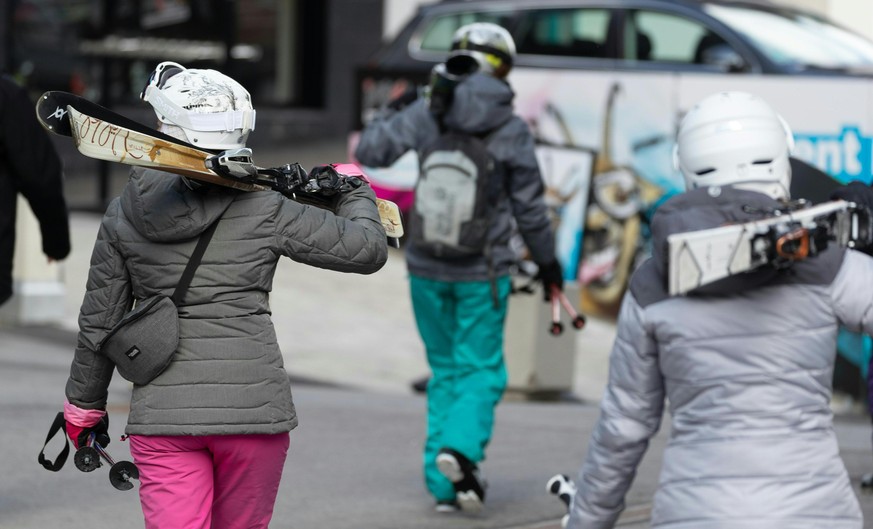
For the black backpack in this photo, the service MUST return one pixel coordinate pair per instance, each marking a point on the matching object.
(455, 196)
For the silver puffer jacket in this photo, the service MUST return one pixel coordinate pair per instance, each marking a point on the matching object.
(227, 376)
(746, 367)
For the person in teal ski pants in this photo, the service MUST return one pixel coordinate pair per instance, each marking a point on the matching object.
(460, 303)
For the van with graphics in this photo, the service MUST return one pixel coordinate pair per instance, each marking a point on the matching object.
(603, 85)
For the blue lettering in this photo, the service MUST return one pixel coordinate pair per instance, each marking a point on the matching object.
(846, 156)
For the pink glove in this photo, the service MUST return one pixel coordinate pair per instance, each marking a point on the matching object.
(81, 422)
(350, 169)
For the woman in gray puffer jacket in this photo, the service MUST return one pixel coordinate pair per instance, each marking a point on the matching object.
(210, 433)
(745, 364)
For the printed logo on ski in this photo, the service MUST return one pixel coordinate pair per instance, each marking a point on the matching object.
(58, 114)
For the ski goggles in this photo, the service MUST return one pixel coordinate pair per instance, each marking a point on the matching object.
(164, 106)
(496, 56)
(159, 76)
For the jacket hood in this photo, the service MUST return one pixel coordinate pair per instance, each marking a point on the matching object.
(705, 208)
(480, 103)
(163, 208)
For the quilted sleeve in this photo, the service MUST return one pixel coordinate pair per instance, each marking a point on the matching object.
(526, 194)
(630, 414)
(388, 137)
(350, 240)
(107, 299)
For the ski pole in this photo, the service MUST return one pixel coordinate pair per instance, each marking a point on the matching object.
(559, 299)
(121, 473)
(867, 483)
(578, 319)
(557, 327)
(564, 488)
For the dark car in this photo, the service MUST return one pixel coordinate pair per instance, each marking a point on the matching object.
(640, 35)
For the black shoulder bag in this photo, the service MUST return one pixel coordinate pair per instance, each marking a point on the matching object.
(142, 344)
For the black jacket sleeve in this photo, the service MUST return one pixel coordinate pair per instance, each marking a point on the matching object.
(34, 167)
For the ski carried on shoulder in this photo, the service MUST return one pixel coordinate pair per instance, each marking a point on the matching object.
(106, 135)
(800, 231)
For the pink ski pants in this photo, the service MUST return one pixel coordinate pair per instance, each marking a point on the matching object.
(209, 482)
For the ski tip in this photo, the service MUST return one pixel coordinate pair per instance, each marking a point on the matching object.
(51, 112)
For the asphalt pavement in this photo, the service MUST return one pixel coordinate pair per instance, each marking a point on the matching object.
(353, 462)
(351, 350)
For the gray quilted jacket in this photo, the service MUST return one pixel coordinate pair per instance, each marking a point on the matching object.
(746, 368)
(481, 104)
(227, 376)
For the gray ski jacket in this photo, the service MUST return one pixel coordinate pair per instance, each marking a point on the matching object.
(746, 367)
(481, 104)
(227, 376)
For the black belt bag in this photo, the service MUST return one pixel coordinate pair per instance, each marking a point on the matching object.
(142, 344)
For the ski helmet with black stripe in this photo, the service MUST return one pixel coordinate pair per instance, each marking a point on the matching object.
(481, 46)
(203, 107)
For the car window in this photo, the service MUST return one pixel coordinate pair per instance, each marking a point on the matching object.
(664, 37)
(795, 39)
(564, 32)
(438, 31)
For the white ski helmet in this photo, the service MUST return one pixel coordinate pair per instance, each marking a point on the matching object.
(735, 139)
(203, 107)
(481, 46)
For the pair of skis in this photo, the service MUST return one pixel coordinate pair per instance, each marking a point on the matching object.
(797, 232)
(105, 135)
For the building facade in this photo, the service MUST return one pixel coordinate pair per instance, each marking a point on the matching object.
(297, 57)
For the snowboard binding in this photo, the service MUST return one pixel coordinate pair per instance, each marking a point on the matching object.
(88, 459)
